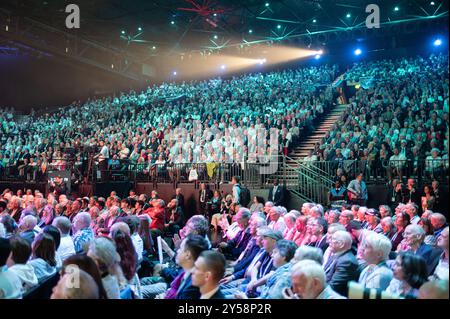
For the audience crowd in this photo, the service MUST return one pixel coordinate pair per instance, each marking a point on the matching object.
(112, 245)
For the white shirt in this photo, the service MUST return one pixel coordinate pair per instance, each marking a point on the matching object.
(10, 284)
(138, 244)
(66, 247)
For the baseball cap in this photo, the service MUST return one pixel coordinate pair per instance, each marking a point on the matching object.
(373, 212)
(267, 232)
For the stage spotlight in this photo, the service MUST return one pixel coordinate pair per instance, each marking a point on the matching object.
(317, 57)
(174, 73)
(348, 15)
(215, 37)
(432, 3)
(396, 9)
(223, 66)
(172, 22)
(153, 47)
(123, 32)
(262, 61)
(215, 14)
(250, 31)
(279, 26)
(320, 52)
(267, 4)
(314, 21)
(139, 29)
(358, 52)
(437, 42)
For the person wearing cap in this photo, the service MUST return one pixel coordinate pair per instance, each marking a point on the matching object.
(264, 268)
(259, 266)
(373, 218)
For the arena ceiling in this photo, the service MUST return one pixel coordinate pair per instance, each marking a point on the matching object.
(159, 27)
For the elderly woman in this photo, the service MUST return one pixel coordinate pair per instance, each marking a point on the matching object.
(103, 251)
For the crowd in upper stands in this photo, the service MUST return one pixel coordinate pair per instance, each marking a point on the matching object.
(397, 121)
(264, 251)
(205, 121)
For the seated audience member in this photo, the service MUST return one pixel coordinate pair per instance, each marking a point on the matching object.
(103, 251)
(375, 251)
(235, 246)
(388, 227)
(342, 266)
(10, 225)
(410, 273)
(440, 270)
(259, 268)
(309, 282)
(280, 279)
(181, 287)
(439, 222)
(316, 228)
(413, 211)
(173, 217)
(308, 252)
(300, 227)
(276, 220)
(86, 263)
(133, 223)
(331, 230)
(128, 260)
(333, 216)
(401, 221)
(209, 269)
(66, 247)
(27, 228)
(414, 236)
(425, 223)
(83, 232)
(289, 220)
(87, 289)
(251, 250)
(10, 283)
(385, 211)
(373, 220)
(345, 218)
(43, 256)
(437, 289)
(56, 235)
(257, 205)
(17, 262)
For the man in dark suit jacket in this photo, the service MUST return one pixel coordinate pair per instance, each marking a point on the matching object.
(342, 266)
(277, 194)
(208, 271)
(236, 246)
(204, 196)
(179, 197)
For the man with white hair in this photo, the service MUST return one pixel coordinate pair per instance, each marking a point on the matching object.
(66, 247)
(342, 266)
(27, 225)
(316, 211)
(439, 222)
(413, 211)
(83, 232)
(16, 208)
(267, 207)
(440, 269)
(375, 251)
(309, 282)
(413, 238)
(276, 220)
(306, 207)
